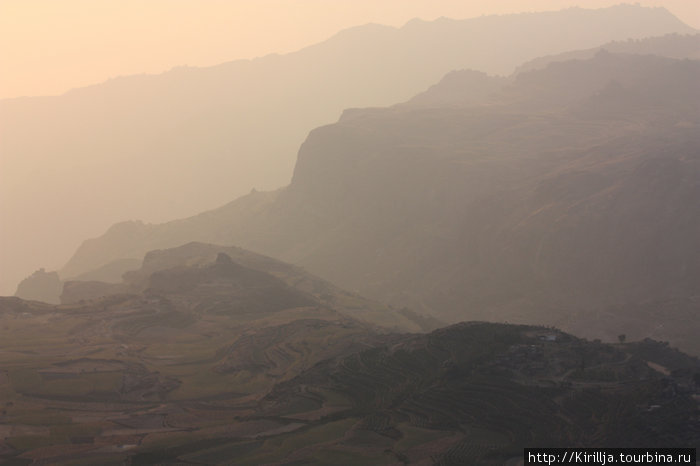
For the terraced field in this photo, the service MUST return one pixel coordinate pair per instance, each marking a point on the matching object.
(184, 355)
(207, 372)
(471, 385)
(467, 395)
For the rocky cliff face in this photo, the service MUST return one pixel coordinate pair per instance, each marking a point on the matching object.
(576, 193)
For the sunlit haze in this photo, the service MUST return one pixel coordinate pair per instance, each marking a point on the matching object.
(354, 232)
(48, 47)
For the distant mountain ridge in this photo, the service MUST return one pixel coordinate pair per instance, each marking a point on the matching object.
(671, 45)
(570, 195)
(166, 146)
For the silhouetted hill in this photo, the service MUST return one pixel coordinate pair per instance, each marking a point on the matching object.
(570, 194)
(166, 146)
(637, 83)
(214, 278)
(460, 88)
(671, 45)
(40, 286)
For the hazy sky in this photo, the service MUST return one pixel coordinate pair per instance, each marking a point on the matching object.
(50, 46)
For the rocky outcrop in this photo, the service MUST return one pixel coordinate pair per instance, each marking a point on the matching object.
(41, 286)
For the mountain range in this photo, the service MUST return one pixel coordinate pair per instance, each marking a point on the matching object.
(159, 147)
(678, 46)
(564, 197)
(508, 257)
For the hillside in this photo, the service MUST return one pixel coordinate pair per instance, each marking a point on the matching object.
(187, 343)
(677, 46)
(215, 360)
(568, 196)
(41, 286)
(158, 147)
(468, 394)
(208, 278)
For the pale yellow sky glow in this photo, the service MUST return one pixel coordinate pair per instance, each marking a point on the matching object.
(50, 46)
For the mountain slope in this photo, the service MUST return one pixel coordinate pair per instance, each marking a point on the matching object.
(164, 377)
(166, 146)
(569, 195)
(179, 348)
(678, 46)
(472, 393)
(210, 278)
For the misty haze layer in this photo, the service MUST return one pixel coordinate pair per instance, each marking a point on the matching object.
(167, 146)
(477, 261)
(567, 197)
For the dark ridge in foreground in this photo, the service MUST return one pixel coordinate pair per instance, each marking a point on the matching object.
(473, 393)
(202, 358)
